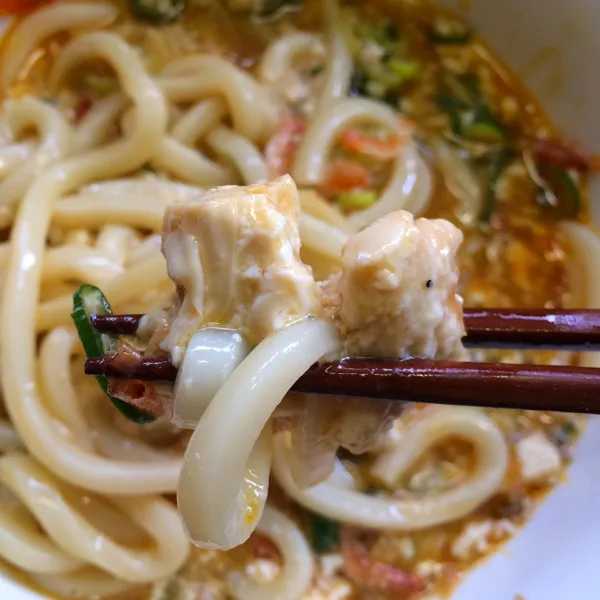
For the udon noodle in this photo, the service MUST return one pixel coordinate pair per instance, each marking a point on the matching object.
(85, 179)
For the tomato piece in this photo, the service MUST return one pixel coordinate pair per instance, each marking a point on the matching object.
(369, 145)
(82, 108)
(16, 7)
(281, 148)
(557, 153)
(375, 146)
(262, 547)
(344, 176)
(372, 574)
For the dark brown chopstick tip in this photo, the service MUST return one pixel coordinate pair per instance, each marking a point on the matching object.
(117, 324)
(149, 368)
(524, 329)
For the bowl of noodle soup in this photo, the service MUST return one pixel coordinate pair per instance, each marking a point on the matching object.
(90, 159)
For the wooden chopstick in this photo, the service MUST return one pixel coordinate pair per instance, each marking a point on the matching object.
(494, 385)
(490, 385)
(533, 329)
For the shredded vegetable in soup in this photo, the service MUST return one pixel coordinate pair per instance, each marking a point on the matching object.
(270, 183)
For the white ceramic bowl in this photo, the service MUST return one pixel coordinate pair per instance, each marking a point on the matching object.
(552, 45)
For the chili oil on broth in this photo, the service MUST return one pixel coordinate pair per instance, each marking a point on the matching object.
(516, 256)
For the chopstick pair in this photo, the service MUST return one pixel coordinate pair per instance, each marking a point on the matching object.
(494, 385)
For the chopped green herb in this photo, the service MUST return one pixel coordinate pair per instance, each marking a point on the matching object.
(498, 163)
(570, 428)
(449, 31)
(315, 71)
(148, 168)
(386, 34)
(357, 200)
(564, 435)
(358, 83)
(453, 108)
(273, 9)
(325, 533)
(465, 87)
(405, 69)
(157, 12)
(375, 89)
(99, 84)
(88, 300)
(480, 125)
(470, 115)
(560, 189)
(371, 490)
(393, 99)
(168, 589)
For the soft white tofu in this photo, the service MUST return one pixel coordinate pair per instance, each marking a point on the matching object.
(539, 458)
(476, 538)
(234, 255)
(473, 540)
(396, 295)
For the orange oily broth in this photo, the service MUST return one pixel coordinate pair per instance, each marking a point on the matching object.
(518, 259)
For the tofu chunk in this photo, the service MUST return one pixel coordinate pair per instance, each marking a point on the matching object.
(234, 255)
(474, 540)
(539, 458)
(396, 295)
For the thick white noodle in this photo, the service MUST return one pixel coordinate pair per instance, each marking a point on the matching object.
(115, 242)
(14, 155)
(409, 186)
(85, 583)
(79, 264)
(210, 358)
(23, 399)
(339, 64)
(143, 188)
(321, 237)
(20, 116)
(222, 499)
(198, 120)
(86, 210)
(584, 274)
(67, 529)
(254, 110)
(297, 571)
(283, 53)
(9, 439)
(190, 165)
(246, 157)
(45, 23)
(62, 398)
(120, 289)
(349, 506)
(94, 127)
(177, 154)
(313, 154)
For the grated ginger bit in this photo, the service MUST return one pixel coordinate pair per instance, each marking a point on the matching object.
(476, 537)
(263, 570)
(251, 511)
(539, 458)
(429, 569)
(331, 564)
(330, 589)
